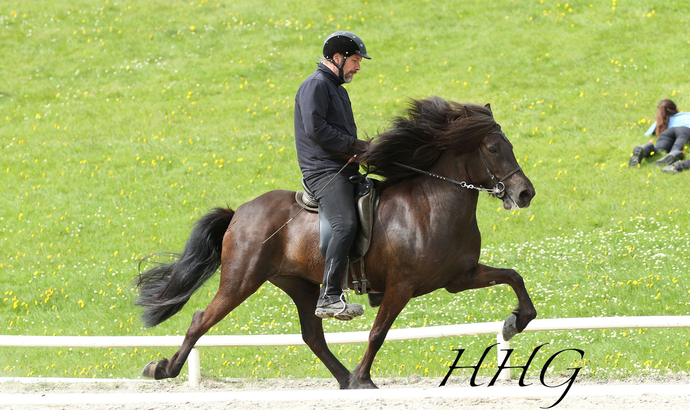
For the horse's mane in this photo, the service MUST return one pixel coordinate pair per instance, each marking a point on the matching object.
(417, 138)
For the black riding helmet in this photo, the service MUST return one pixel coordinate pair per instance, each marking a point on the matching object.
(345, 43)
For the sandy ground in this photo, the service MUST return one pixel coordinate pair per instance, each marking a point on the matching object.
(317, 394)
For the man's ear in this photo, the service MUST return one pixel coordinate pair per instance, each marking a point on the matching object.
(488, 107)
(338, 58)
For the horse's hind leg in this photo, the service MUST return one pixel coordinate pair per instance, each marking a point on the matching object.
(227, 299)
(488, 276)
(305, 295)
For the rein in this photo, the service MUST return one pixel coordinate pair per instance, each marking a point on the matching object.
(498, 189)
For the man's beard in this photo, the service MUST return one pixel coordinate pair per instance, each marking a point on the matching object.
(347, 78)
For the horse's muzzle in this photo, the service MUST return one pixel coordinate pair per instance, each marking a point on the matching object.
(518, 195)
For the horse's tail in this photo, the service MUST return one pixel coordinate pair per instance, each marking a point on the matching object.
(165, 289)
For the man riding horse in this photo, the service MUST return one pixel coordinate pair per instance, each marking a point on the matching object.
(435, 160)
(326, 139)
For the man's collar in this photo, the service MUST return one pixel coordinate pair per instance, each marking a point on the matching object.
(333, 76)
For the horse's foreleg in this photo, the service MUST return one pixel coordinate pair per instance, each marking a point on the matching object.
(394, 301)
(485, 276)
(227, 299)
(305, 295)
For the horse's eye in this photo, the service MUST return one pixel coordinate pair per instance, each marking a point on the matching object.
(492, 149)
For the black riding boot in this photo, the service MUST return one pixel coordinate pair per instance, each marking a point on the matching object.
(332, 301)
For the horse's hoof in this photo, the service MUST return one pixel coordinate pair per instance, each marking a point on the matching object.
(357, 384)
(150, 370)
(509, 327)
(155, 369)
(360, 386)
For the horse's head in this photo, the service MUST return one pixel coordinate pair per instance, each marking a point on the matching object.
(502, 172)
(434, 126)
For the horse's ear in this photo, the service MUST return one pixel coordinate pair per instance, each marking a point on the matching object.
(488, 107)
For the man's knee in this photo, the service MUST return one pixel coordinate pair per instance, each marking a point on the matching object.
(346, 228)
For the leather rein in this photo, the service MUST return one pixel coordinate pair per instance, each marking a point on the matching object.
(499, 187)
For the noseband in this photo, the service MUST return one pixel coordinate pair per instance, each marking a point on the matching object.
(499, 187)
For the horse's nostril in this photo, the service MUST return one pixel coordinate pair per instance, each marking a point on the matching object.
(525, 196)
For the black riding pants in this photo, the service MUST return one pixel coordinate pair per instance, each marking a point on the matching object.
(336, 202)
(672, 139)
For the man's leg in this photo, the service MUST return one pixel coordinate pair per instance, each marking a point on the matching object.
(336, 202)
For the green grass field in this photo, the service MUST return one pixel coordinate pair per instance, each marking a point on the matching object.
(122, 122)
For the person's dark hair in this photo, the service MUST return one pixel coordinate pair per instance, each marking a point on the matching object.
(665, 109)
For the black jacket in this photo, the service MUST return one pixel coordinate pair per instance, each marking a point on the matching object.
(324, 124)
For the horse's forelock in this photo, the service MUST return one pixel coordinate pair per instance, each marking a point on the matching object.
(470, 127)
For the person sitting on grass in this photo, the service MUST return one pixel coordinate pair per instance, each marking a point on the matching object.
(672, 129)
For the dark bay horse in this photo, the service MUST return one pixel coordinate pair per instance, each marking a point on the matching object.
(425, 236)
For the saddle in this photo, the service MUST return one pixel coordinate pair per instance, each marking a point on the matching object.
(366, 201)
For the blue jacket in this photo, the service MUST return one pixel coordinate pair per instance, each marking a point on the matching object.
(682, 119)
(324, 124)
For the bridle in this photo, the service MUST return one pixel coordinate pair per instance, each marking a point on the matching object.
(498, 183)
(499, 187)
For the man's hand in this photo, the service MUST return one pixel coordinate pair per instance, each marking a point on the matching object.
(359, 147)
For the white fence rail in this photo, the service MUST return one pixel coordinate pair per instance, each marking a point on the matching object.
(431, 332)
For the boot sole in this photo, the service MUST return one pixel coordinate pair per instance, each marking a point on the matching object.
(346, 315)
(636, 157)
(667, 160)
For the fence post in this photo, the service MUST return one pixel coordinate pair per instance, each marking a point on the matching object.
(194, 368)
(501, 355)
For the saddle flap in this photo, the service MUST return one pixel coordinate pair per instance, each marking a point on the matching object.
(366, 205)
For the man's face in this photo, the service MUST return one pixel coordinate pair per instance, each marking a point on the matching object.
(351, 67)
